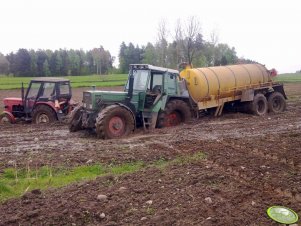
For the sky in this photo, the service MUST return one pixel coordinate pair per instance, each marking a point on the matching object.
(265, 31)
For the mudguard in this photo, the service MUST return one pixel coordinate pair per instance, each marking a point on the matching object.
(9, 115)
(126, 107)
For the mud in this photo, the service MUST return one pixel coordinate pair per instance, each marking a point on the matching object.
(251, 163)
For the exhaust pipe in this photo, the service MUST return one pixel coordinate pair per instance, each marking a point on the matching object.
(22, 93)
(131, 84)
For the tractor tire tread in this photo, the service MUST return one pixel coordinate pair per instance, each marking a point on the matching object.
(271, 107)
(106, 114)
(74, 122)
(171, 106)
(42, 108)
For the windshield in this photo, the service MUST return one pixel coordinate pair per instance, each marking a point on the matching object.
(140, 80)
(33, 90)
(64, 88)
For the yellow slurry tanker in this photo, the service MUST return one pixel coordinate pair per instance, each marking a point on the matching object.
(161, 97)
(250, 84)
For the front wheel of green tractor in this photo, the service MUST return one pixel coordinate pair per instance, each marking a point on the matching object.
(176, 112)
(114, 122)
(75, 119)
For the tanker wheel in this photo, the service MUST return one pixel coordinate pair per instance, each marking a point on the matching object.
(276, 102)
(114, 122)
(6, 119)
(259, 105)
(43, 114)
(176, 112)
(75, 119)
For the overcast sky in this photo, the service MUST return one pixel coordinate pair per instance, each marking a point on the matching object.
(266, 31)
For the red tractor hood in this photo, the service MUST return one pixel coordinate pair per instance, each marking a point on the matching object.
(10, 101)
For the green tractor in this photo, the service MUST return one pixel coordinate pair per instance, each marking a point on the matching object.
(154, 97)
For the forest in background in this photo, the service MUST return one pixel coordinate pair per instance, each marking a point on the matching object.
(184, 44)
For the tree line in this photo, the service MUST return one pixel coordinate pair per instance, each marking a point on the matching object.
(187, 45)
(60, 62)
(184, 44)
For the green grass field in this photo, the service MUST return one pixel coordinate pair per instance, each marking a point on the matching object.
(109, 80)
(15, 182)
(76, 81)
(289, 78)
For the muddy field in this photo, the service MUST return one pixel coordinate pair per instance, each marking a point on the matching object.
(250, 163)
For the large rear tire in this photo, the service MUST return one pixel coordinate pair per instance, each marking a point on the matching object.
(75, 119)
(114, 122)
(176, 112)
(259, 105)
(276, 103)
(43, 114)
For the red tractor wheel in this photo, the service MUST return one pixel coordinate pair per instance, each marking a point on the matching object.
(5, 118)
(176, 112)
(114, 122)
(43, 114)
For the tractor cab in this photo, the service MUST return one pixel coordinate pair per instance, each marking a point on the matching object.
(51, 91)
(151, 84)
(46, 100)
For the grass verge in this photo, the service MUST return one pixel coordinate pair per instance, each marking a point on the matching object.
(289, 78)
(15, 182)
(76, 81)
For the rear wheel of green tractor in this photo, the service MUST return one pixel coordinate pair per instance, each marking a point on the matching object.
(176, 112)
(75, 119)
(276, 103)
(43, 114)
(114, 122)
(6, 119)
(259, 105)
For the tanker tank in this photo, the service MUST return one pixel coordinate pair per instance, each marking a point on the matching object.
(208, 85)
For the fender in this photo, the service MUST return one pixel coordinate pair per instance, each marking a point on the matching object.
(10, 116)
(49, 105)
(127, 108)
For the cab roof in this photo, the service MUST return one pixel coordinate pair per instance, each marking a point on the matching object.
(49, 79)
(154, 68)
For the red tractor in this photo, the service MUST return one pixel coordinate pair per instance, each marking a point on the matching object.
(46, 100)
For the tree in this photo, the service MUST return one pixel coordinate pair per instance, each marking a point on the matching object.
(224, 55)
(22, 63)
(46, 70)
(129, 55)
(74, 62)
(149, 54)
(193, 39)
(33, 62)
(41, 58)
(4, 65)
(64, 70)
(162, 44)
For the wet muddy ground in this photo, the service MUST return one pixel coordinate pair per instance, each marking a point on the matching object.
(250, 163)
